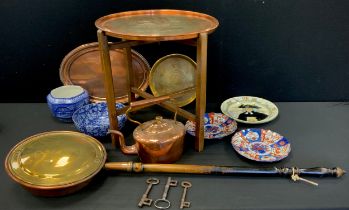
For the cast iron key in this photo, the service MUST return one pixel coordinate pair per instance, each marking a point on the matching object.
(145, 200)
(163, 203)
(185, 185)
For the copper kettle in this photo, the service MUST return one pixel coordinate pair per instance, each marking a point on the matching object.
(156, 141)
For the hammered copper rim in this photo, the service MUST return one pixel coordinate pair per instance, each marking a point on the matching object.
(83, 50)
(213, 24)
(180, 101)
(9, 168)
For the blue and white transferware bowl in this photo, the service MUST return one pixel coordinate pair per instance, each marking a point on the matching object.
(261, 145)
(217, 125)
(93, 119)
(65, 100)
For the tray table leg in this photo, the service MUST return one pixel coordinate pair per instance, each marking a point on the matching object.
(130, 75)
(108, 81)
(201, 60)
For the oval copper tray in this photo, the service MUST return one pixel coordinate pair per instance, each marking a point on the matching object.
(171, 74)
(55, 159)
(82, 66)
(157, 25)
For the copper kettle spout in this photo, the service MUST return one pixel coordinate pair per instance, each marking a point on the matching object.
(128, 150)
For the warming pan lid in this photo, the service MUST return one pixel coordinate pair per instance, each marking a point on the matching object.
(55, 159)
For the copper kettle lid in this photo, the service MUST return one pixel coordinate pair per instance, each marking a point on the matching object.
(159, 130)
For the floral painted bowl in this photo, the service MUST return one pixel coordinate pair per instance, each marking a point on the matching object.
(217, 125)
(261, 145)
(93, 119)
(65, 100)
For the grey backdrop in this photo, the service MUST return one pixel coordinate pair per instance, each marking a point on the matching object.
(294, 50)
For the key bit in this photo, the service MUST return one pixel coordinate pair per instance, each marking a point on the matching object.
(295, 178)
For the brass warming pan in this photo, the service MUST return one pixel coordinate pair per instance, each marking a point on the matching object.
(58, 163)
(55, 163)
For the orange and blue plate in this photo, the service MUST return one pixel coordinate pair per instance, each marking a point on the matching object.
(261, 145)
(216, 125)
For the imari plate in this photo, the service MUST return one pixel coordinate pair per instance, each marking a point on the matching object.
(261, 145)
(249, 109)
(217, 125)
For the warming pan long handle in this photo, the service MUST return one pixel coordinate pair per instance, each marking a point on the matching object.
(228, 170)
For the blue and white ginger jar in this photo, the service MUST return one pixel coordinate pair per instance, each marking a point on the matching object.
(65, 100)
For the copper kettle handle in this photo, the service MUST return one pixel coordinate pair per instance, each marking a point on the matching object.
(155, 100)
(137, 105)
(137, 122)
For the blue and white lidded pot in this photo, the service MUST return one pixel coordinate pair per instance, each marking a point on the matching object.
(65, 100)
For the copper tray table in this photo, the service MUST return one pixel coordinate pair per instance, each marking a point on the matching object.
(148, 26)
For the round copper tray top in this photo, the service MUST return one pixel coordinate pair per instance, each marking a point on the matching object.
(82, 66)
(55, 159)
(171, 74)
(157, 25)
